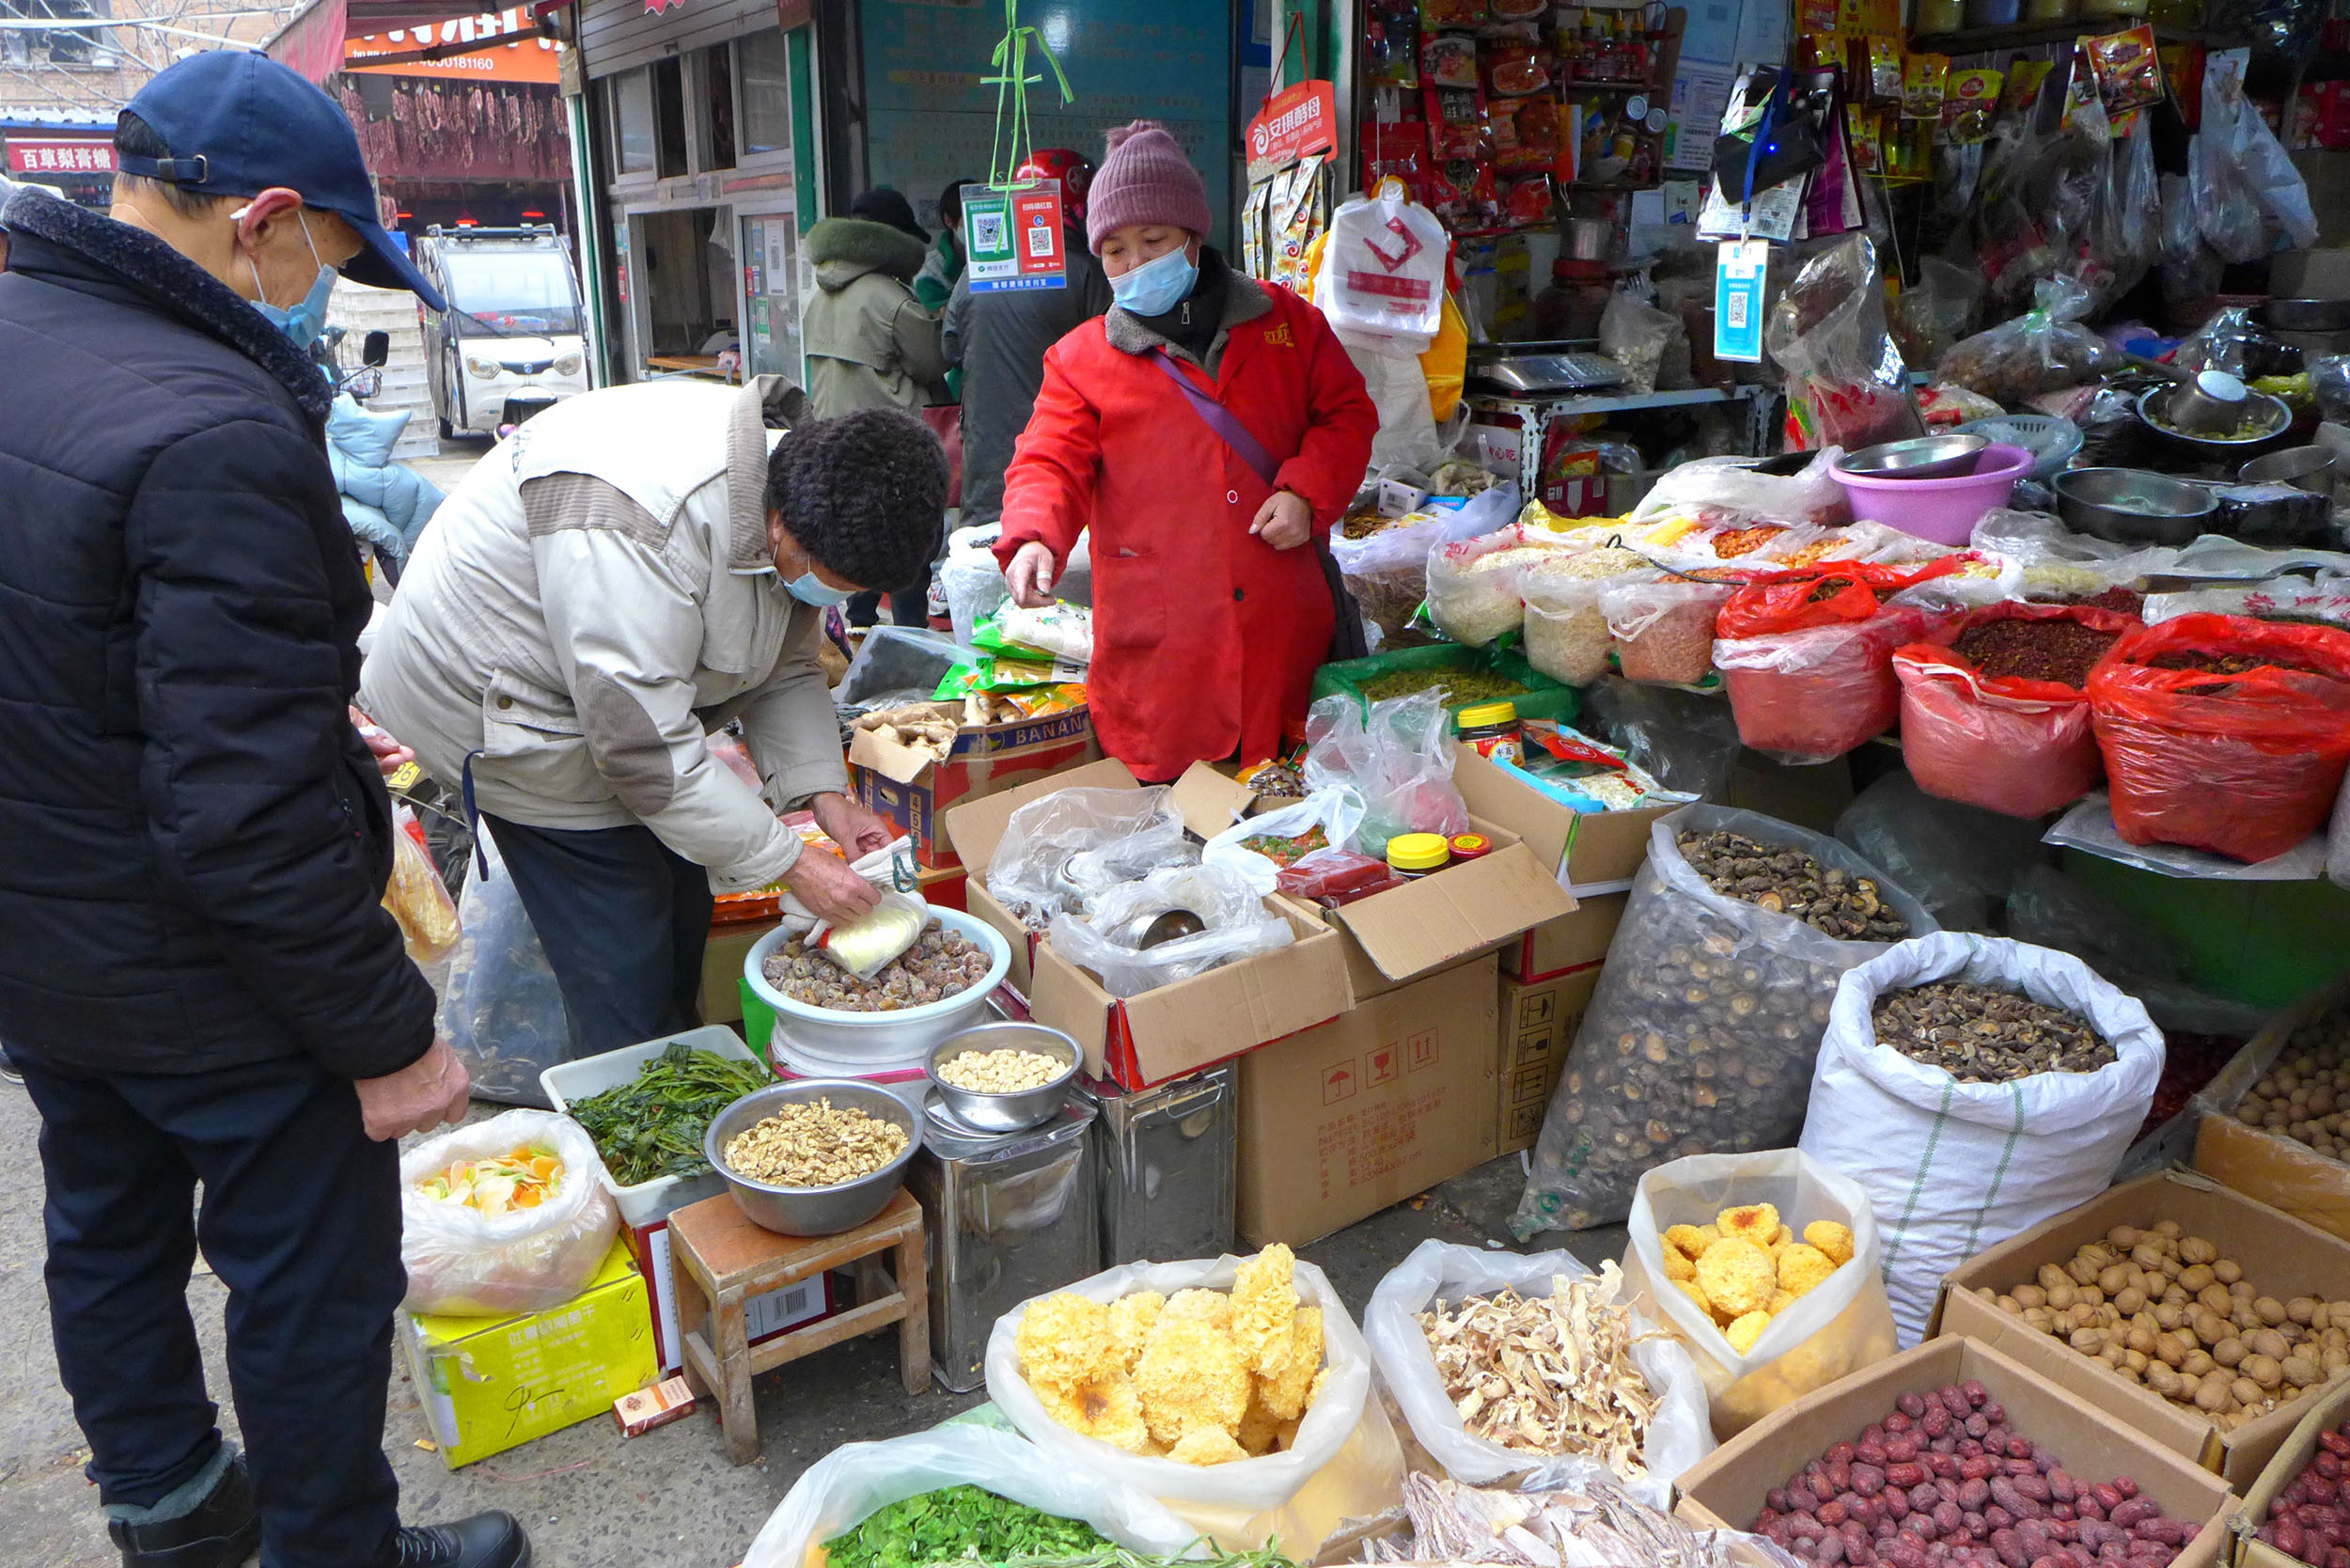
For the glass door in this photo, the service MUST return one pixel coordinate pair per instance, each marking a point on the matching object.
(771, 297)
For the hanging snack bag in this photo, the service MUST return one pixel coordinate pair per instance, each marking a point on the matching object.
(2127, 69)
(1448, 61)
(2222, 733)
(1434, 14)
(1995, 710)
(1700, 1037)
(1514, 70)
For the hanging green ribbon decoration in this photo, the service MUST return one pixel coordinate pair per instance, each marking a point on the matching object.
(1011, 80)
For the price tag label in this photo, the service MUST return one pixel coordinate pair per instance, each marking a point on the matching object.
(1738, 274)
(1014, 238)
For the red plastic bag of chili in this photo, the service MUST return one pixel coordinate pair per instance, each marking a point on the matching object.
(2224, 733)
(1994, 713)
(1808, 656)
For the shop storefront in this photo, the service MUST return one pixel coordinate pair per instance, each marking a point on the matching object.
(74, 158)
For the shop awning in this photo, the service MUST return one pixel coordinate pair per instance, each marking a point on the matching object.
(312, 43)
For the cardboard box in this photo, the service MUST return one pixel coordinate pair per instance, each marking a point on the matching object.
(1538, 1023)
(1568, 943)
(2269, 1167)
(777, 1312)
(2332, 1407)
(1342, 1121)
(2280, 1257)
(1447, 918)
(1727, 1488)
(1177, 1028)
(487, 1385)
(907, 787)
(721, 974)
(1591, 853)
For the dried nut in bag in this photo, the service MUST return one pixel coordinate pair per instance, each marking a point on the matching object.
(1981, 1034)
(1547, 1375)
(1789, 882)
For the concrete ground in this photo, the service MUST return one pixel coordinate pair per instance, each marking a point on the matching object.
(457, 454)
(589, 1497)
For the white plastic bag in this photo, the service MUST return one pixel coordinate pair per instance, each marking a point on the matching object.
(2238, 140)
(1955, 1167)
(1728, 491)
(1224, 899)
(1475, 585)
(1399, 390)
(1397, 757)
(525, 1260)
(1063, 849)
(1838, 1326)
(1387, 571)
(867, 946)
(1680, 1434)
(889, 869)
(855, 1480)
(1345, 1462)
(1336, 811)
(1383, 273)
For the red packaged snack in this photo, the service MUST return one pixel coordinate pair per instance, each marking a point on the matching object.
(1434, 14)
(1514, 70)
(1398, 148)
(1537, 130)
(1995, 712)
(2127, 69)
(1457, 125)
(1448, 60)
(1339, 876)
(1526, 203)
(2224, 733)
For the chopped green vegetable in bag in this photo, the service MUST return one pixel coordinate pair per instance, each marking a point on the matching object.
(958, 1523)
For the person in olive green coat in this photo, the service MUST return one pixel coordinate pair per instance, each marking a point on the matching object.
(869, 343)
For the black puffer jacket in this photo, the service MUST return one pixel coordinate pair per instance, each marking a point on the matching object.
(193, 839)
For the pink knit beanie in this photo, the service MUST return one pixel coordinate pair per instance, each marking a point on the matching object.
(1145, 179)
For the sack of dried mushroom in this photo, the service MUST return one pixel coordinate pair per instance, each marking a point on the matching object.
(1995, 1113)
(1501, 1362)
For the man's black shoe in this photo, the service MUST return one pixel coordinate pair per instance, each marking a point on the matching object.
(219, 1532)
(491, 1540)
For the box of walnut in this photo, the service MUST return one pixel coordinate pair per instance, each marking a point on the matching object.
(2270, 1126)
(2332, 1409)
(2280, 1339)
(1734, 1485)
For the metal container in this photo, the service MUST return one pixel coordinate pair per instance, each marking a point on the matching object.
(1005, 1218)
(1005, 1113)
(813, 1211)
(1590, 238)
(884, 1036)
(2305, 315)
(1924, 457)
(2271, 413)
(2310, 468)
(1166, 1156)
(2130, 505)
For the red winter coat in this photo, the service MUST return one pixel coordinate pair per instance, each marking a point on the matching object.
(1205, 638)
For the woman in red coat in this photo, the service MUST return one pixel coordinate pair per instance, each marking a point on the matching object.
(1210, 608)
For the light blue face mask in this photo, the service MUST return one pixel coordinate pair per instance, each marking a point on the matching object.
(809, 589)
(306, 319)
(1158, 286)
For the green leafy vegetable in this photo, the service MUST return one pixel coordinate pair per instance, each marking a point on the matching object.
(653, 1125)
(957, 1524)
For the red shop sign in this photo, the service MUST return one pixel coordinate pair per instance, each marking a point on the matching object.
(58, 156)
(1300, 119)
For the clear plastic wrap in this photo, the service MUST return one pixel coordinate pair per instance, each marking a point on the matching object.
(1728, 491)
(1226, 900)
(463, 1261)
(1662, 626)
(2048, 909)
(1956, 860)
(2240, 149)
(2244, 764)
(1475, 590)
(1685, 741)
(1812, 694)
(1937, 310)
(1680, 1433)
(2044, 350)
(1955, 1167)
(501, 1011)
(1057, 852)
(1700, 1036)
(1387, 571)
(1636, 336)
(1337, 812)
(1846, 385)
(1397, 757)
(856, 1480)
(416, 895)
(1838, 1326)
(898, 664)
(1566, 630)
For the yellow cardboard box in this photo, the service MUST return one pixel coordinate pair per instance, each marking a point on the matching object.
(490, 1384)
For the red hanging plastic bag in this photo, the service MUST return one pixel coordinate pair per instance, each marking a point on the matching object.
(1829, 595)
(2224, 733)
(2009, 744)
(1811, 695)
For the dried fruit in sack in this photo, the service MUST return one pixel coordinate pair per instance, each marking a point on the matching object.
(1789, 882)
(2242, 757)
(941, 963)
(1797, 1268)
(1982, 1034)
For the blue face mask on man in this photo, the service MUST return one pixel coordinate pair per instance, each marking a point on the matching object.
(809, 589)
(1158, 286)
(304, 320)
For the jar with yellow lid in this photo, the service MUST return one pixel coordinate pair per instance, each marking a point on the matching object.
(1412, 856)
(1490, 730)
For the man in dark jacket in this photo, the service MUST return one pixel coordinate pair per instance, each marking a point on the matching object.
(1000, 340)
(196, 979)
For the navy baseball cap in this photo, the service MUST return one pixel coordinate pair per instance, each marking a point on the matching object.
(239, 123)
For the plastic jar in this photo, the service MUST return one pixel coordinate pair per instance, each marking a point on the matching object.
(1490, 730)
(2051, 10)
(1939, 16)
(1412, 856)
(1471, 846)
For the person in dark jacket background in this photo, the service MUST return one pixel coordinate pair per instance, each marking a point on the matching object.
(196, 978)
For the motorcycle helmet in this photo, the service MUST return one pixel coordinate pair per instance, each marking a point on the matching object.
(1071, 168)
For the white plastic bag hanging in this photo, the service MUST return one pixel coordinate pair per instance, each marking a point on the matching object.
(462, 1260)
(853, 1482)
(1335, 811)
(1398, 758)
(1954, 1167)
(1344, 1464)
(1840, 1325)
(1680, 1433)
(1383, 273)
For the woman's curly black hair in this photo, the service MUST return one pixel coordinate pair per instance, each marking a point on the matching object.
(864, 495)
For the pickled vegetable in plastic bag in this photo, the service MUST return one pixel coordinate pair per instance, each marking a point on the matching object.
(867, 946)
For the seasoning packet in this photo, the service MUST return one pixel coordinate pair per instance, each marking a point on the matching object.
(1448, 60)
(1457, 122)
(1452, 13)
(1924, 80)
(1968, 103)
(2021, 89)
(1885, 78)
(2127, 69)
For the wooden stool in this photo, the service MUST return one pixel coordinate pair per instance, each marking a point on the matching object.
(721, 1259)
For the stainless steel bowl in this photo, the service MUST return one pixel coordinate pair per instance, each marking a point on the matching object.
(2305, 315)
(1924, 457)
(813, 1211)
(2129, 505)
(1006, 1113)
(2311, 468)
(2271, 413)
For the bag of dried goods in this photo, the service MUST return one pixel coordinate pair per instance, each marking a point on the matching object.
(1995, 712)
(1727, 492)
(1662, 626)
(2222, 733)
(416, 895)
(510, 1214)
(1717, 986)
(1387, 570)
(1974, 1087)
(1790, 1298)
(1397, 757)
(1237, 1392)
(1566, 631)
(1846, 385)
(857, 1480)
(1501, 1362)
(2044, 350)
(1473, 593)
